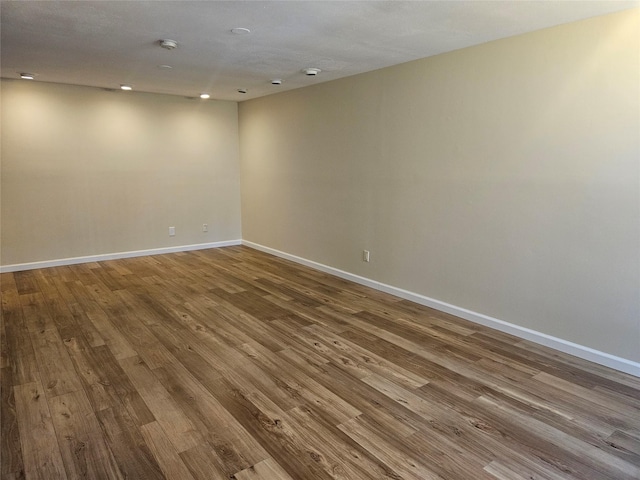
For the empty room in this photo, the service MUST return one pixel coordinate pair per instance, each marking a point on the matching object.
(294, 240)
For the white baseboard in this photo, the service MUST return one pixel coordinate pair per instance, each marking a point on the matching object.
(586, 353)
(114, 256)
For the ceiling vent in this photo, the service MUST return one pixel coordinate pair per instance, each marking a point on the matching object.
(168, 44)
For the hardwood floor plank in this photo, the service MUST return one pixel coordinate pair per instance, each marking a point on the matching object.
(84, 451)
(417, 336)
(265, 470)
(445, 428)
(301, 341)
(601, 401)
(219, 357)
(36, 314)
(113, 338)
(203, 462)
(81, 321)
(328, 448)
(267, 423)
(370, 361)
(132, 454)
(301, 385)
(54, 365)
(561, 359)
(501, 434)
(602, 463)
(104, 381)
(448, 459)
(11, 466)
(361, 396)
(142, 340)
(395, 456)
(164, 452)
(288, 294)
(504, 472)
(26, 282)
(40, 450)
(312, 316)
(20, 356)
(171, 417)
(116, 342)
(628, 443)
(423, 368)
(336, 452)
(234, 446)
(179, 343)
(253, 304)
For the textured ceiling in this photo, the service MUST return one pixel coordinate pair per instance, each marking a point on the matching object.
(107, 43)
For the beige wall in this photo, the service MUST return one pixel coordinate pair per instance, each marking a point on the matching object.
(502, 178)
(87, 171)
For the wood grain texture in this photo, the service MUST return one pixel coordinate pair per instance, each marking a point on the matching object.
(233, 364)
(84, 450)
(11, 466)
(164, 452)
(41, 453)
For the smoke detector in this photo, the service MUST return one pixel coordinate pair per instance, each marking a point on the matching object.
(168, 44)
(311, 72)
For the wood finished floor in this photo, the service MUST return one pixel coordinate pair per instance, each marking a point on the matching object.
(233, 364)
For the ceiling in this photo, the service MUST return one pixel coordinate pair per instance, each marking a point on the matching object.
(108, 43)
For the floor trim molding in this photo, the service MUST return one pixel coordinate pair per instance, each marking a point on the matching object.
(115, 256)
(581, 351)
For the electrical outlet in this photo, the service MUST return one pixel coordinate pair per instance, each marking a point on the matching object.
(205, 227)
(172, 231)
(366, 256)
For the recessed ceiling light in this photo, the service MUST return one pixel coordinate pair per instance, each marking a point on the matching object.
(168, 44)
(311, 72)
(276, 81)
(165, 67)
(204, 96)
(242, 90)
(126, 87)
(240, 31)
(27, 76)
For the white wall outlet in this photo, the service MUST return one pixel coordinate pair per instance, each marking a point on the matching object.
(366, 256)
(172, 231)
(205, 227)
